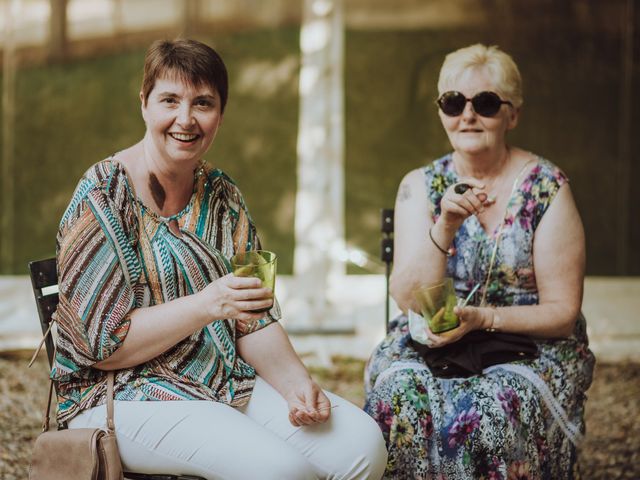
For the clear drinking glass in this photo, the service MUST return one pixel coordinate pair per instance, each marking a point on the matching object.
(260, 264)
(436, 303)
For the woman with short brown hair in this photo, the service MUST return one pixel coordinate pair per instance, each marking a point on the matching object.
(204, 385)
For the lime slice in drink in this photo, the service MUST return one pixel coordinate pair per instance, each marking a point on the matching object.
(437, 317)
(245, 271)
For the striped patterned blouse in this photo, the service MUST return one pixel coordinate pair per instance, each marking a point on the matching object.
(109, 265)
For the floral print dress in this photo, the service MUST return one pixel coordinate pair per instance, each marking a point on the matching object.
(522, 420)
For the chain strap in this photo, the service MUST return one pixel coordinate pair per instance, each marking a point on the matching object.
(514, 188)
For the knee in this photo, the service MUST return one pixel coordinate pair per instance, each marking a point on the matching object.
(361, 453)
(373, 451)
(285, 465)
(295, 470)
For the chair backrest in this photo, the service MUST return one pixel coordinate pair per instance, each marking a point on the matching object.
(386, 253)
(44, 280)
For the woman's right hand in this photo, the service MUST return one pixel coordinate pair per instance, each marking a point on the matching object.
(456, 207)
(236, 297)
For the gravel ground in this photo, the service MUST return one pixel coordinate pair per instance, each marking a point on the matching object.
(611, 449)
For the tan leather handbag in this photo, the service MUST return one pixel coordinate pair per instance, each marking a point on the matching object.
(77, 453)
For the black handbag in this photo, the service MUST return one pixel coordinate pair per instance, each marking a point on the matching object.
(476, 351)
(479, 349)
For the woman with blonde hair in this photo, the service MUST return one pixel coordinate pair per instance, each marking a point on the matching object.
(502, 394)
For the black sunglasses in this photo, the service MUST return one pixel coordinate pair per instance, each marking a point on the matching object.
(486, 104)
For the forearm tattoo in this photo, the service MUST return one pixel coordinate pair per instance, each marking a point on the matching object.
(404, 192)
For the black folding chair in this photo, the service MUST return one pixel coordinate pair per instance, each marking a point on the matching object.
(386, 253)
(44, 280)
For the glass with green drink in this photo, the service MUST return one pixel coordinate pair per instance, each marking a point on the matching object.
(436, 303)
(260, 264)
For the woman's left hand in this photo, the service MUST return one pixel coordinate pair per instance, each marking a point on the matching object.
(471, 318)
(308, 404)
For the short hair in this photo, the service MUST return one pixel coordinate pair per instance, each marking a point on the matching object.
(187, 60)
(498, 64)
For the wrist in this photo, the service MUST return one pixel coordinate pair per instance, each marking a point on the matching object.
(445, 228)
(290, 390)
(441, 237)
(492, 320)
(294, 378)
(202, 307)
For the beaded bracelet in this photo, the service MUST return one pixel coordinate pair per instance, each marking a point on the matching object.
(449, 253)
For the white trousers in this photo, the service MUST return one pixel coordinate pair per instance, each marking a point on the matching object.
(253, 442)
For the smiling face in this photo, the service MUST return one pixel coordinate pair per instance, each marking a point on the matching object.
(182, 121)
(470, 133)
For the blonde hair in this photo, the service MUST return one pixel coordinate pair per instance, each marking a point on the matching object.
(499, 65)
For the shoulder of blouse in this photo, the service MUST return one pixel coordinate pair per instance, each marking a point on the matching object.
(547, 169)
(107, 185)
(539, 190)
(438, 175)
(224, 189)
(441, 165)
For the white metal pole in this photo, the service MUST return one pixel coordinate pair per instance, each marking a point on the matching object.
(319, 217)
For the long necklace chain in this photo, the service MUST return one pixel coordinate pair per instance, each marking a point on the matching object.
(494, 252)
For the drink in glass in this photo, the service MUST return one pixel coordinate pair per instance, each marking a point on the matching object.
(436, 303)
(260, 264)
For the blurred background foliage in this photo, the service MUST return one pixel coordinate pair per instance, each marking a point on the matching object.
(580, 65)
(571, 115)
(72, 115)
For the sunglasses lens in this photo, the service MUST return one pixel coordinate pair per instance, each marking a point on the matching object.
(486, 104)
(452, 103)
